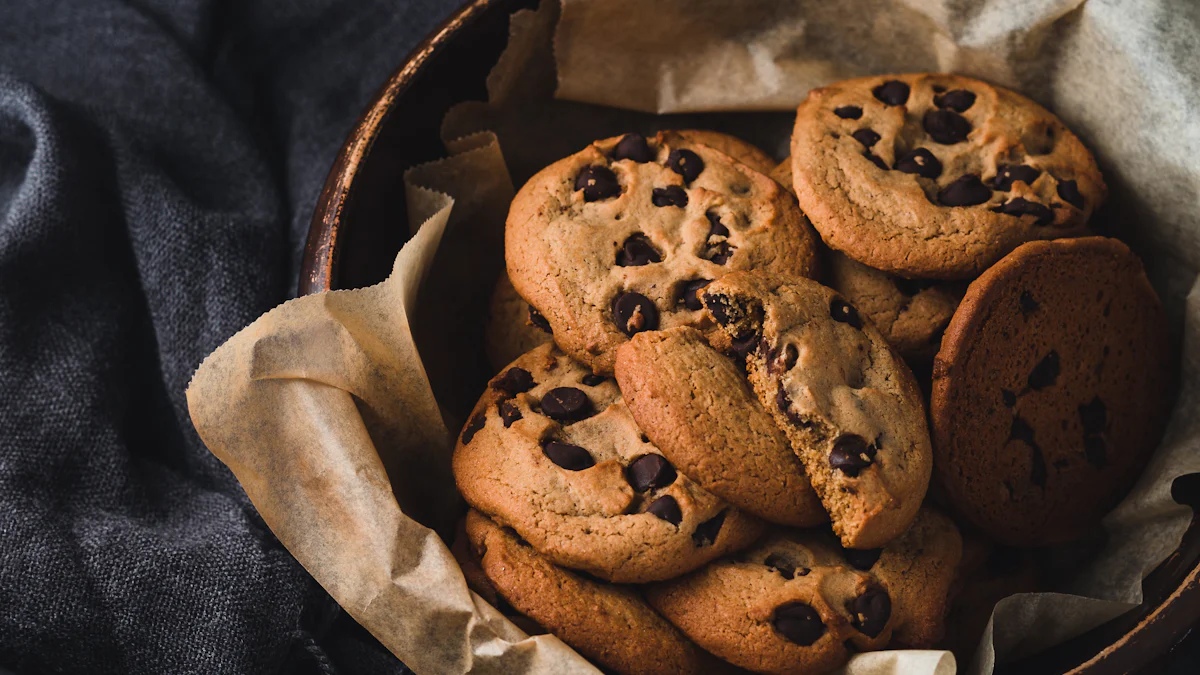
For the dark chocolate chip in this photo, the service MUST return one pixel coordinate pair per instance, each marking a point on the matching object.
(871, 612)
(1095, 449)
(1028, 303)
(721, 253)
(536, 318)
(509, 412)
(875, 159)
(715, 227)
(1009, 398)
(689, 293)
(1093, 416)
(706, 533)
(844, 312)
(634, 313)
(567, 456)
(1069, 191)
(718, 306)
(946, 127)
(959, 100)
(1007, 174)
(591, 379)
(685, 163)
(637, 251)
(567, 404)
(867, 137)
(911, 287)
(862, 559)
(851, 453)
(1023, 207)
(966, 190)
(472, 428)
(848, 112)
(1045, 373)
(921, 162)
(1021, 431)
(744, 344)
(672, 195)
(514, 381)
(666, 508)
(650, 472)
(785, 567)
(798, 623)
(790, 356)
(892, 92)
(597, 183)
(635, 147)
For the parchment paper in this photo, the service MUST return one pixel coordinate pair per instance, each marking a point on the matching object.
(337, 412)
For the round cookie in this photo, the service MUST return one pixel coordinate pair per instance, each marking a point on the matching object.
(790, 605)
(552, 451)
(911, 314)
(848, 404)
(697, 407)
(513, 326)
(611, 625)
(1051, 390)
(937, 176)
(608, 242)
(746, 153)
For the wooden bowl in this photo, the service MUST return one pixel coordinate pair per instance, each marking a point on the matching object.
(356, 232)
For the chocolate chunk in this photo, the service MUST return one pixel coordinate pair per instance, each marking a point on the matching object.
(509, 412)
(1028, 303)
(666, 508)
(672, 195)
(959, 100)
(1007, 174)
(718, 306)
(1045, 373)
(851, 453)
(1093, 416)
(744, 344)
(911, 287)
(1069, 191)
(844, 312)
(591, 379)
(706, 533)
(892, 92)
(921, 162)
(786, 568)
(1021, 431)
(862, 559)
(966, 190)
(1023, 207)
(689, 293)
(848, 112)
(567, 404)
(875, 159)
(790, 356)
(635, 147)
(715, 227)
(867, 137)
(634, 313)
(685, 163)
(567, 456)
(721, 253)
(946, 127)
(1095, 449)
(798, 623)
(514, 381)
(536, 318)
(637, 251)
(1009, 398)
(784, 403)
(597, 183)
(650, 471)
(473, 427)
(871, 611)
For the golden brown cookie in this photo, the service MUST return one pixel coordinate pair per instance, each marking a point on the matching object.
(936, 175)
(513, 326)
(1051, 390)
(472, 569)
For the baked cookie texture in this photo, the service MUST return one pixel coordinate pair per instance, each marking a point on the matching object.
(698, 409)
(552, 451)
(513, 326)
(615, 239)
(746, 153)
(846, 401)
(609, 624)
(477, 580)
(937, 176)
(1051, 390)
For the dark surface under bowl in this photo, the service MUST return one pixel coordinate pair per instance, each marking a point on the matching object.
(356, 232)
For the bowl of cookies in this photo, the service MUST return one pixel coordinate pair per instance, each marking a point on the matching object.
(871, 383)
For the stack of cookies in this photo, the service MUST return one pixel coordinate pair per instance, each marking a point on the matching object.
(696, 457)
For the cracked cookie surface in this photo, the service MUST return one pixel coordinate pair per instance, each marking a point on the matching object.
(936, 175)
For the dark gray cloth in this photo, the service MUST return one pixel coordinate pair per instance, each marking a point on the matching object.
(159, 163)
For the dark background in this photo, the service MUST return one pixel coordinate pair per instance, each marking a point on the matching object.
(159, 163)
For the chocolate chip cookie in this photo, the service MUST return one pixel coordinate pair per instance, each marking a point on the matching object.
(848, 404)
(611, 625)
(698, 408)
(513, 326)
(937, 176)
(612, 240)
(790, 605)
(552, 451)
(1051, 389)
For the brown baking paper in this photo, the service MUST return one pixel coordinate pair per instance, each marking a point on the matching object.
(337, 412)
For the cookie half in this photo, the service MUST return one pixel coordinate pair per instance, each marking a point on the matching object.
(935, 175)
(552, 451)
(612, 240)
(1051, 390)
